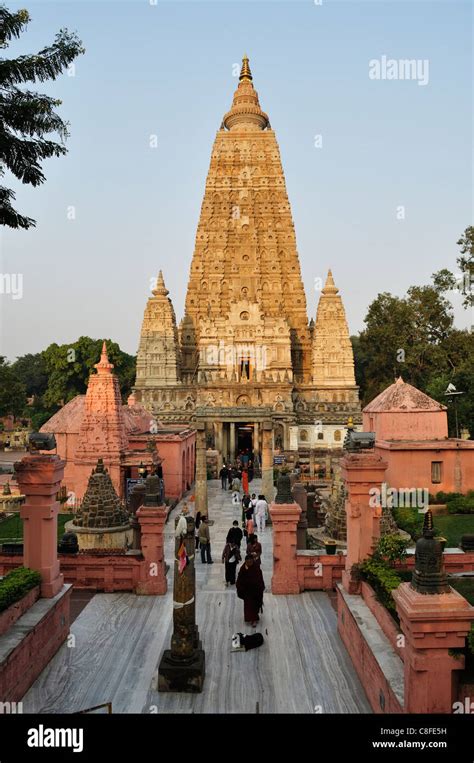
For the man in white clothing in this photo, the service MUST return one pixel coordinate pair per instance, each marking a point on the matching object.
(261, 513)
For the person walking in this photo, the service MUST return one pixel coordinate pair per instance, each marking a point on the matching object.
(205, 541)
(197, 522)
(261, 510)
(250, 588)
(235, 534)
(230, 556)
(224, 476)
(254, 548)
(249, 523)
(245, 480)
(230, 476)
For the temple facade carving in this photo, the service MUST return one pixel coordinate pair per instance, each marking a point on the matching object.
(245, 351)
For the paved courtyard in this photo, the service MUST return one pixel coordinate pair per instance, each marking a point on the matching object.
(302, 667)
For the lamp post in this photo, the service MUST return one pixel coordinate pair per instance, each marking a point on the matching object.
(451, 393)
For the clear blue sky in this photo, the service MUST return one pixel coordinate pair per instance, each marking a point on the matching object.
(166, 69)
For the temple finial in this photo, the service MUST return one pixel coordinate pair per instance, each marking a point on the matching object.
(160, 287)
(104, 366)
(245, 73)
(330, 287)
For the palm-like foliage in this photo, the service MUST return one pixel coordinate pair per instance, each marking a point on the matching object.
(27, 118)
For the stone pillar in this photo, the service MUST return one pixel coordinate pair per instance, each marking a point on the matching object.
(219, 445)
(232, 441)
(361, 472)
(432, 626)
(39, 478)
(182, 668)
(267, 461)
(285, 514)
(256, 440)
(293, 438)
(327, 467)
(301, 498)
(200, 492)
(153, 574)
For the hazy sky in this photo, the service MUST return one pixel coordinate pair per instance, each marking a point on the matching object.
(166, 69)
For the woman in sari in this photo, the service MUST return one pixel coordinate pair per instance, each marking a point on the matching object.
(250, 588)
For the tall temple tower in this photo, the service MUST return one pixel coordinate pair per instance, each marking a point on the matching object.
(245, 357)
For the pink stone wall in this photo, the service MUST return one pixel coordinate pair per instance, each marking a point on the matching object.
(412, 425)
(367, 668)
(319, 572)
(16, 610)
(18, 671)
(412, 468)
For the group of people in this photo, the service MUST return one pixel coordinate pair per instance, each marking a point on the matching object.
(254, 513)
(249, 584)
(236, 477)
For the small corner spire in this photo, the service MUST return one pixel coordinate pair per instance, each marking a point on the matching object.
(160, 287)
(330, 287)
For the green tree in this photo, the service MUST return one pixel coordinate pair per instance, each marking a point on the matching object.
(12, 391)
(69, 366)
(28, 117)
(445, 280)
(403, 336)
(31, 370)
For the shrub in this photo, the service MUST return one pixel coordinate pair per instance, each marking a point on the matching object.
(391, 548)
(16, 584)
(461, 505)
(383, 580)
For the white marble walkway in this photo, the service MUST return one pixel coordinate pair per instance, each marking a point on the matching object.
(302, 667)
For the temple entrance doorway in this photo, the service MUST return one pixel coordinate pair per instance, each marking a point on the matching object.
(245, 441)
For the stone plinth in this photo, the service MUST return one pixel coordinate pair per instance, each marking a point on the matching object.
(361, 472)
(152, 522)
(285, 517)
(102, 537)
(432, 625)
(39, 478)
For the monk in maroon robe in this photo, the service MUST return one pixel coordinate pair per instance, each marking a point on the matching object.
(250, 588)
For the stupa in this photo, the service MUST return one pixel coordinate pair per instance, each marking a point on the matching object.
(102, 521)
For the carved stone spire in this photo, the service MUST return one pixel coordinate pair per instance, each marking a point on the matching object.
(245, 113)
(333, 358)
(158, 359)
(160, 288)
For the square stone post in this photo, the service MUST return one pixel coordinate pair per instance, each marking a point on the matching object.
(267, 461)
(232, 441)
(432, 624)
(285, 517)
(301, 497)
(256, 440)
(200, 492)
(361, 472)
(39, 479)
(153, 574)
(219, 445)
